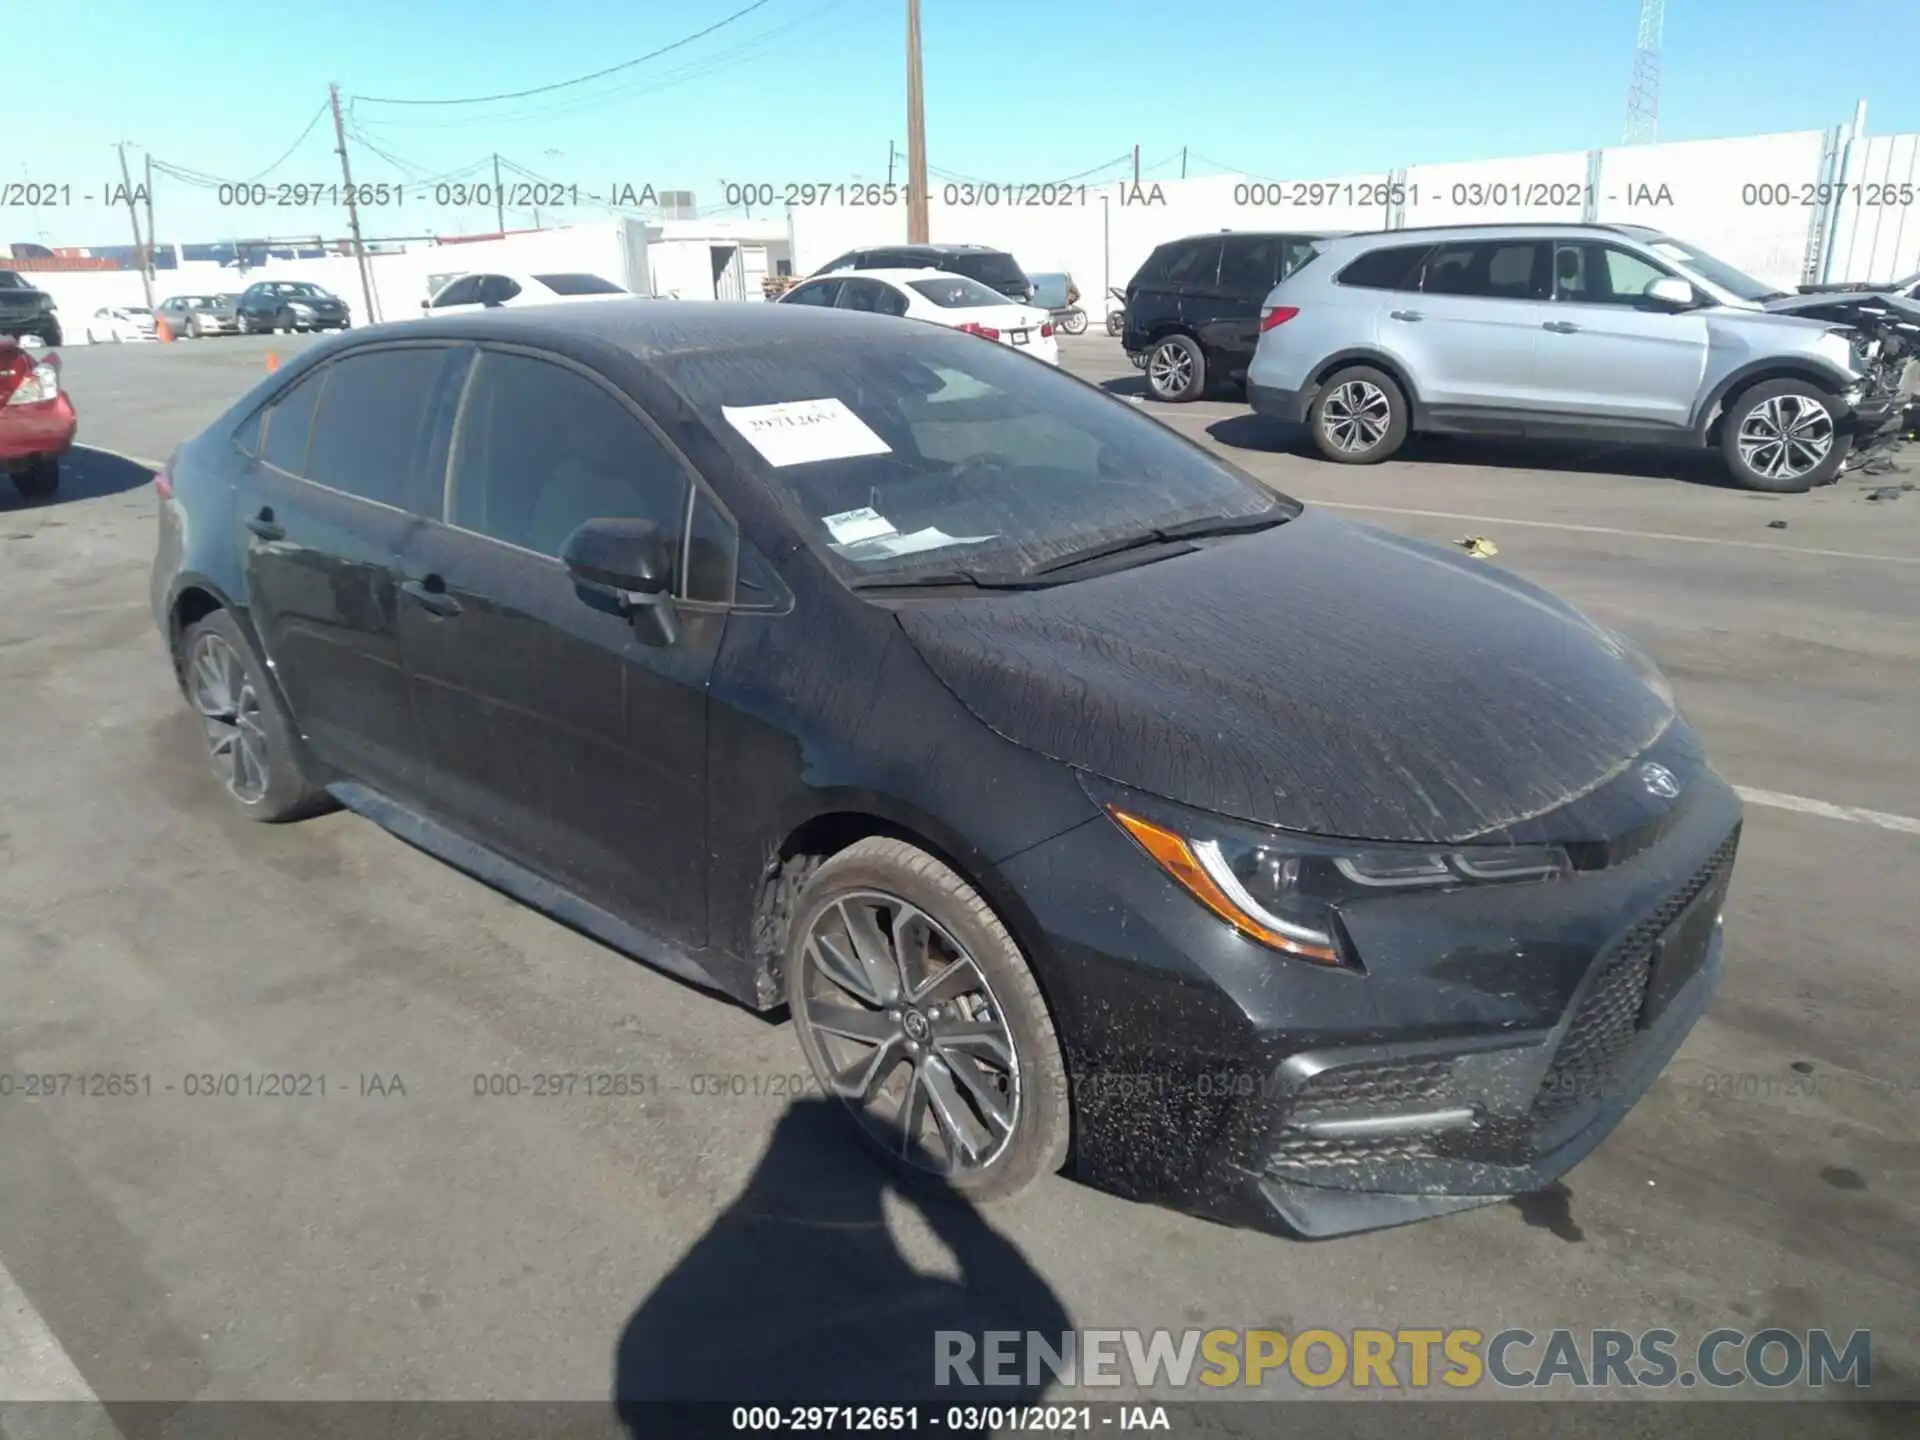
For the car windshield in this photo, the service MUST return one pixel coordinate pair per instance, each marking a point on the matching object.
(579, 285)
(292, 288)
(1737, 283)
(937, 452)
(956, 292)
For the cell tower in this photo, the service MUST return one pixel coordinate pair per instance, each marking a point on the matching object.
(1643, 96)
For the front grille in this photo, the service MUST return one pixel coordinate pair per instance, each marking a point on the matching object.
(1373, 1089)
(1352, 1091)
(1300, 1151)
(1604, 1026)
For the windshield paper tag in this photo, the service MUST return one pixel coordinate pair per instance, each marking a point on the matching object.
(891, 546)
(850, 527)
(800, 432)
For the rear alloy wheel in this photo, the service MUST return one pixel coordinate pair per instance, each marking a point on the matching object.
(1176, 370)
(916, 1010)
(249, 743)
(1781, 436)
(1074, 322)
(1359, 417)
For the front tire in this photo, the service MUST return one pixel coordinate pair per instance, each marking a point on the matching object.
(1359, 417)
(916, 1009)
(249, 739)
(39, 479)
(1783, 437)
(1177, 370)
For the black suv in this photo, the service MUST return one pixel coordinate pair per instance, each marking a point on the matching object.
(995, 269)
(26, 312)
(1193, 310)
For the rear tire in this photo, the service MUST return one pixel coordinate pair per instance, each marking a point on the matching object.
(39, 479)
(1176, 370)
(985, 1025)
(1783, 437)
(1359, 417)
(249, 739)
(1074, 322)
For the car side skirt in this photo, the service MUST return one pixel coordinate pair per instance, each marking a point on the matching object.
(1520, 423)
(535, 891)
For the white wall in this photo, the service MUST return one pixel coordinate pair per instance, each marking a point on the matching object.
(1707, 192)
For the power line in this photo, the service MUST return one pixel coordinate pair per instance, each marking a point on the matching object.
(578, 79)
(202, 178)
(720, 61)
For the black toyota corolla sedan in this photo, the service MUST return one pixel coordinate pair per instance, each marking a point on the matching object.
(1088, 804)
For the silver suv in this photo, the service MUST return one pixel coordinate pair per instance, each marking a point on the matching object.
(1611, 332)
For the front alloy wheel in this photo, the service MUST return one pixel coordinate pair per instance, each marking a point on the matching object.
(914, 1041)
(1785, 438)
(1354, 417)
(916, 1009)
(229, 707)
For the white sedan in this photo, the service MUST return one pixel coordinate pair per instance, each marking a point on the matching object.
(485, 291)
(936, 296)
(111, 324)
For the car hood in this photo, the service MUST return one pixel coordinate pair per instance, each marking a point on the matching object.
(1844, 307)
(1321, 676)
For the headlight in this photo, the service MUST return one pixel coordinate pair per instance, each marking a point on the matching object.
(1283, 892)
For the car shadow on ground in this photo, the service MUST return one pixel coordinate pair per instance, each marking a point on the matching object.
(799, 1294)
(1695, 467)
(85, 474)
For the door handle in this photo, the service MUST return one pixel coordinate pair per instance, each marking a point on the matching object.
(1561, 327)
(430, 594)
(1405, 315)
(265, 526)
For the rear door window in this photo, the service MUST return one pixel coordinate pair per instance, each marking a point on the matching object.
(860, 295)
(1197, 264)
(372, 435)
(1490, 269)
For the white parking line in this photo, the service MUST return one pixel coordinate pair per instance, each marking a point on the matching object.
(34, 1369)
(1905, 824)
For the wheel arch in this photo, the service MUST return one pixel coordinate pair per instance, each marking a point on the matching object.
(1713, 410)
(1375, 359)
(194, 598)
(843, 819)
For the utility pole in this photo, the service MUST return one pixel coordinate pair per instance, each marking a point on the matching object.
(1183, 162)
(917, 231)
(499, 200)
(152, 243)
(889, 162)
(126, 187)
(1136, 164)
(353, 210)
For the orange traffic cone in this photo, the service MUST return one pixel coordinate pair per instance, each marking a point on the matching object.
(273, 362)
(163, 332)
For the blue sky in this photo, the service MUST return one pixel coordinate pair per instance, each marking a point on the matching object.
(1019, 90)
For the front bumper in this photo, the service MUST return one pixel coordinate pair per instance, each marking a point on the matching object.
(1497, 1035)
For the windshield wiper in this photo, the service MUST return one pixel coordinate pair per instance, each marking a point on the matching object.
(946, 580)
(1196, 529)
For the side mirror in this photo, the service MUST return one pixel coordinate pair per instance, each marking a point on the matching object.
(1669, 292)
(627, 563)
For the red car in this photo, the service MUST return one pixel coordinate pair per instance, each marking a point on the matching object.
(36, 419)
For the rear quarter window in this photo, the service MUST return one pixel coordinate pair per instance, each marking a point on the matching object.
(1395, 267)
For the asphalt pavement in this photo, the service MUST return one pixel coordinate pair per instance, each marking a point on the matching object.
(407, 1234)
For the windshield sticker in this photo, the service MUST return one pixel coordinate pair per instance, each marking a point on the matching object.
(890, 547)
(800, 432)
(850, 527)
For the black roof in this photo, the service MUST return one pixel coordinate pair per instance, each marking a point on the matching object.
(640, 327)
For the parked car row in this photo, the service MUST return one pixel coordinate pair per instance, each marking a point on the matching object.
(1078, 796)
(1616, 333)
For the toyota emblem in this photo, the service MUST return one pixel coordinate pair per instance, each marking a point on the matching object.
(1659, 781)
